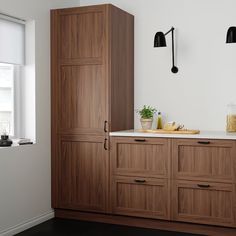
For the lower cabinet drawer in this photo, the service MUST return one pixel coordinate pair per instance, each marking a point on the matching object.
(144, 197)
(202, 202)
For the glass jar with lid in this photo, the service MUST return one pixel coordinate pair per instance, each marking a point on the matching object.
(231, 118)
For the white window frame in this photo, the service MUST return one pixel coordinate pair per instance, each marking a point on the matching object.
(17, 101)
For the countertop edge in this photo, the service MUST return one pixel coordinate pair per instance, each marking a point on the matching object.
(201, 135)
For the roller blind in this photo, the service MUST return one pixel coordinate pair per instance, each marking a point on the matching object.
(12, 42)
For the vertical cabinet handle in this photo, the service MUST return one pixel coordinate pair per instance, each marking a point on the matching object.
(105, 126)
(105, 144)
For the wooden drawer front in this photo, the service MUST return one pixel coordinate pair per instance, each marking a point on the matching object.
(195, 159)
(140, 157)
(195, 202)
(142, 197)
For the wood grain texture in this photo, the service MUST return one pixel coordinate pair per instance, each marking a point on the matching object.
(143, 197)
(83, 99)
(121, 63)
(82, 84)
(194, 202)
(195, 161)
(190, 202)
(140, 157)
(92, 36)
(81, 81)
(82, 35)
(92, 82)
(82, 10)
(82, 177)
(147, 223)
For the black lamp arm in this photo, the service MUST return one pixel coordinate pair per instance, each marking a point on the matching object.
(171, 30)
(174, 69)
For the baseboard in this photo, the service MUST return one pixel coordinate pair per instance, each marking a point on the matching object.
(27, 224)
(181, 227)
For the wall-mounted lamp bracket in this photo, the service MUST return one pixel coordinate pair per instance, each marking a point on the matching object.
(160, 41)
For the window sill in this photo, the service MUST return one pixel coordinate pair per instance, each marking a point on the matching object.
(16, 144)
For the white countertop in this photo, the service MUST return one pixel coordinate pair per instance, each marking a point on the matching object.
(202, 135)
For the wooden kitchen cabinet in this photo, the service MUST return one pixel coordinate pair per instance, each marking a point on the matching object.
(147, 157)
(203, 189)
(207, 160)
(193, 178)
(203, 202)
(82, 164)
(145, 197)
(140, 171)
(82, 100)
(92, 93)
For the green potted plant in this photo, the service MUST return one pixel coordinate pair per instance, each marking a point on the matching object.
(146, 114)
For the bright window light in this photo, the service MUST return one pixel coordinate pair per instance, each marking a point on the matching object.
(7, 99)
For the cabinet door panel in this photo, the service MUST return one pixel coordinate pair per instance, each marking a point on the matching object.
(143, 197)
(210, 161)
(202, 202)
(82, 35)
(82, 99)
(83, 174)
(140, 157)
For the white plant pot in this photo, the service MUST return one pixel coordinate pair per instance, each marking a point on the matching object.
(146, 123)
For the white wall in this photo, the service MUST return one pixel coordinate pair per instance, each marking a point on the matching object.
(25, 186)
(198, 95)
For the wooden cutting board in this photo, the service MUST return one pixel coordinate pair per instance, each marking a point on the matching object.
(161, 131)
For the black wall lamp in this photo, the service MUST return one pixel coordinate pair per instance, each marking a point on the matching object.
(231, 35)
(160, 41)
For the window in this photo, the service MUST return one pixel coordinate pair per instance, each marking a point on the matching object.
(7, 99)
(17, 77)
(12, 58)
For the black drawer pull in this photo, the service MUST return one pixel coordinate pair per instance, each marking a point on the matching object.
(140, 140)
(140, 180)
(203, 185)
(204, 142)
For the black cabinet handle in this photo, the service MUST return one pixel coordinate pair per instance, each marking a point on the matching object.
(140, 180)
(204, 142)
(105, 126)
(203, 185)
(140, 140)
(105, 144)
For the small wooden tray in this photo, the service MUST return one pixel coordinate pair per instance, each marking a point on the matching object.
(161, 131)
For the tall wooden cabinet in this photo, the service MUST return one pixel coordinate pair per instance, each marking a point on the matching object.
(91, 95)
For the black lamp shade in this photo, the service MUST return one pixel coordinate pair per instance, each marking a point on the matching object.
(159, 40)
(231, 35)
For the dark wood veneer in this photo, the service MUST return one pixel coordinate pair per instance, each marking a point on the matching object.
(195, 180)
(91, 94)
